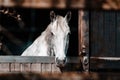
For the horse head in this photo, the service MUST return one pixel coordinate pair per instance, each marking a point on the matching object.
(60, 31)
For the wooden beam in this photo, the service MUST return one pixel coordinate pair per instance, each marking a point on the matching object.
(34, 59)
(79, 4)
(83, 32)
(105, 63)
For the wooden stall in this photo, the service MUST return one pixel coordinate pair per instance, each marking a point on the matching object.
(32, 64)
(98, 37)
(99, 40)
(104, 40)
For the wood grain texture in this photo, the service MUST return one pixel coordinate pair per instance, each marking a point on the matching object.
(4, 67)
(55, 69)
(11, 67)
(36, 67)
(26, 59)
(31, 64)
(17, 67)
(48, 68)
(84, 4)
(34, 59)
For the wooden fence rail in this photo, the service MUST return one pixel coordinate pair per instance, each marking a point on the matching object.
(31, 64)
(34, 59)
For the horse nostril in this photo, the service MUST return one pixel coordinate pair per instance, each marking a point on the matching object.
(64, 61)
(59, 61)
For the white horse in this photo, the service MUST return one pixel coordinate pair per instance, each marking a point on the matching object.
(53, 41)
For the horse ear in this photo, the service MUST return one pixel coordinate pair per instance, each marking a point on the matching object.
(52, 15)
(68, 16)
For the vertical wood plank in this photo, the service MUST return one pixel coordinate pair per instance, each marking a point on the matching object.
(27, 67)
(109, 32)
(21, 67)
(55, 69)
(83, 23)
(48, 68)
(84, 38)
(118, 33)
(43, 67)
(79, 31)
(36, 67)
(4, 67)
(12, 67)
(17, 67)
(97, 31)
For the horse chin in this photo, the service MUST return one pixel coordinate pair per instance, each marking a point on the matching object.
(60, 65)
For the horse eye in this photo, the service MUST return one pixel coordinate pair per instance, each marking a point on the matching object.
(69, 33)
(52, 33)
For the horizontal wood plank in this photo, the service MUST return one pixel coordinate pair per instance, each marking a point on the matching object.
(108, 63)
(92, 4)
(34, 59)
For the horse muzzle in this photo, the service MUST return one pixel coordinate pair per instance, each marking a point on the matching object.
(60, 63)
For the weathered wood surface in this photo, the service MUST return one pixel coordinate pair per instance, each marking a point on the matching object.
(47, 76)
(83, 29)
(105, 63)
(92, 4)
(31, 64)
(34, 59)
(97, 63)
(63, 76)
(105, 32)
(104, 29)
(29, 67)
(83, 32)
(104, 39)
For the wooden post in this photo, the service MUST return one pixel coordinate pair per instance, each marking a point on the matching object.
(84, 38)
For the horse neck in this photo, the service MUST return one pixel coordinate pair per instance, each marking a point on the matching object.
(45, 42)
(48, 38)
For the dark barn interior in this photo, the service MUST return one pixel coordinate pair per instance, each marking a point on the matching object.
(34, 21)
(99, 29)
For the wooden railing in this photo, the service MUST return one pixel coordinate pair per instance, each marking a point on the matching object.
(47, 64)
(31, 64)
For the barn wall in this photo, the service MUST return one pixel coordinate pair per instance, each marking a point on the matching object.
(103, 33)
(104, 38)
(104, 27)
